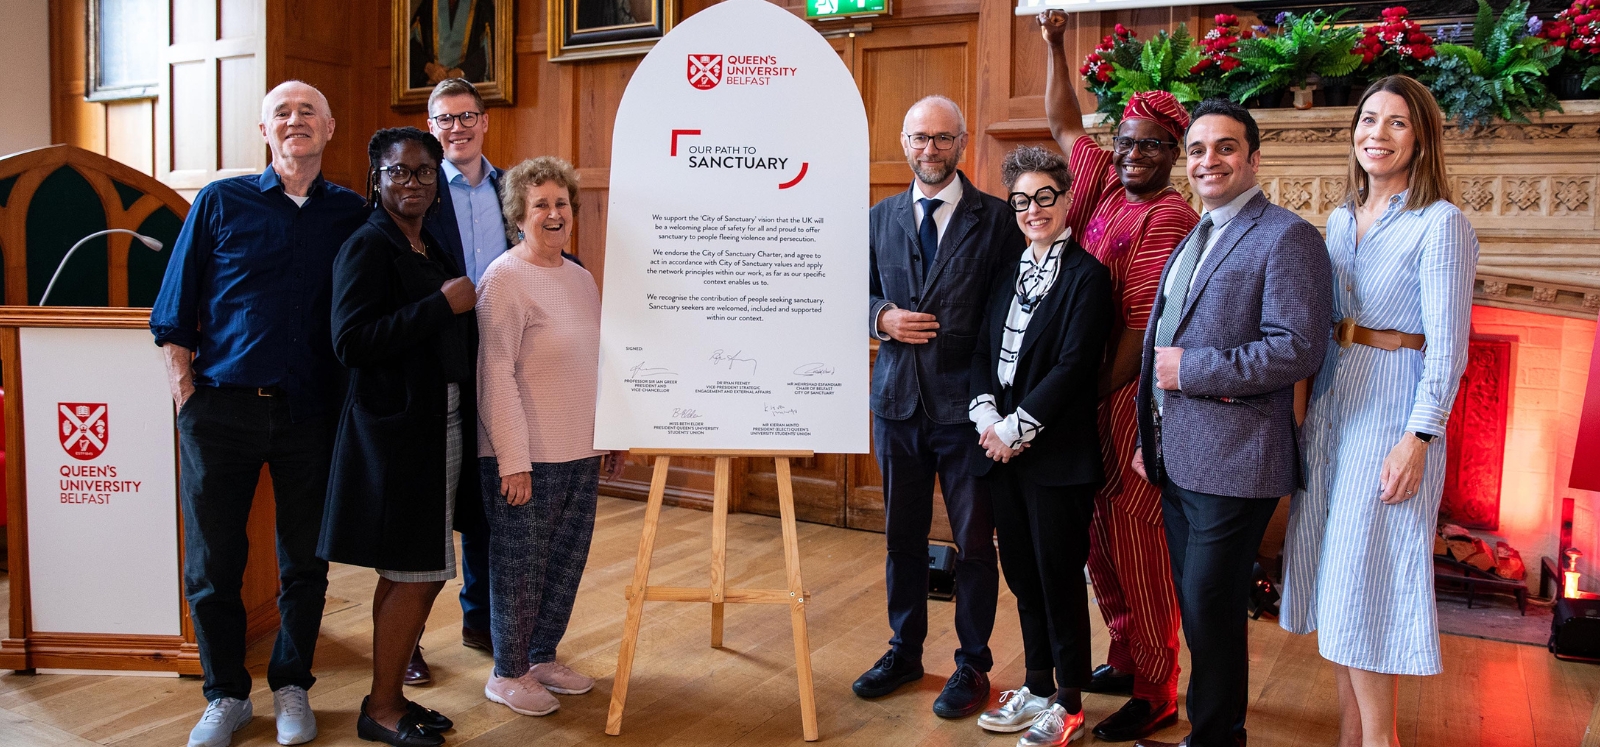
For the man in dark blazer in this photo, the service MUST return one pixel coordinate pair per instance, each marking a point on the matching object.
(1241, 316)
(469, 224)
(935, 248)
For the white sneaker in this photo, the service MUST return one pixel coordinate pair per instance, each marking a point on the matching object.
(222, 718)
(296, 723)
(1053, 727)
(1016, 712)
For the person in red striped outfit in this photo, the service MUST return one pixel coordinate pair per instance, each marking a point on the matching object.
(1130, 218)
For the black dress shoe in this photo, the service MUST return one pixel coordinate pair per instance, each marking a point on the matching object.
(429, 718)
(886, 676)
(1136, 720)
(478, 639)
(417, 672)
(1156, 743)
(965, 693)
(1108, 681)
(408, 733)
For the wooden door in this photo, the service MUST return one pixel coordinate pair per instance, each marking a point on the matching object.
(213, 80)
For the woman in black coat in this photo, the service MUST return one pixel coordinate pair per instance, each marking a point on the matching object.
(404, 326)
(1033, 380)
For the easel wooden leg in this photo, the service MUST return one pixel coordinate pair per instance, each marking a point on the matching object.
(641, 580)
(797, 602)
(719, 545)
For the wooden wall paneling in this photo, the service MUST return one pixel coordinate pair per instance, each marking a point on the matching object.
(123, 130)
(894, 66)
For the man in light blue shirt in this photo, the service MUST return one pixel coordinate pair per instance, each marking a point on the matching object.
(469, 225)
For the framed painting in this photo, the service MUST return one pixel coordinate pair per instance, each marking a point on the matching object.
(439, 39)
(587, 29)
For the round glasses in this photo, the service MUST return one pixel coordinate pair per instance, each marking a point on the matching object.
(448, 121)
(1148, 147)
(1045, 197)
(402, 174)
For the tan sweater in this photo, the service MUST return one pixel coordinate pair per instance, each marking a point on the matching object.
(538, 363)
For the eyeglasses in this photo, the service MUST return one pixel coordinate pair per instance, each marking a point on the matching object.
(448, 121)
(1149, 147)
(402, 174)
(940, 142)
(1045, 197)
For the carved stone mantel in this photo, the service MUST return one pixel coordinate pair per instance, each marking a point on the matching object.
(1529, 190)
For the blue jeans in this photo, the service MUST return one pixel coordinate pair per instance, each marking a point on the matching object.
(536, 556)
(224, 436)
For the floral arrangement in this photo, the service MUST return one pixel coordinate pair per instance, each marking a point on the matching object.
(1166, 63)
(1396, 46)
(1502, 74)
(1217, 46)
(1576, 31)
(1119, 48)
(1305, 49)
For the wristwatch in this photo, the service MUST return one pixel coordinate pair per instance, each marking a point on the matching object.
(1424, 437)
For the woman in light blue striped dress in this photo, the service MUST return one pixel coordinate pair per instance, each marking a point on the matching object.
(1358, 565)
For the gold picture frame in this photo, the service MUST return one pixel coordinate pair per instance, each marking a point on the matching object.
(590, 29)
(486, 55)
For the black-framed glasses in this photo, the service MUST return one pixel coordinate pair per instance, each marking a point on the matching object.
(448, 121)
(1148, 146)
(1045, 197)
(940, 142)
(401, 174)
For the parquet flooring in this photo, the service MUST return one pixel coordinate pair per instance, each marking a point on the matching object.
(686, 693)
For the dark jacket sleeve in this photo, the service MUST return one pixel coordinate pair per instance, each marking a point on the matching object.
(1083, 346)
(364, 332)
(981, 380)
(1296, 304)
(878, 302)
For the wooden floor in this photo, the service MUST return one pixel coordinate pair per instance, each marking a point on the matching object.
(686, 693)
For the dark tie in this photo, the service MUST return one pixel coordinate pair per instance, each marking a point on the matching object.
(1182, 277)
(928, 232)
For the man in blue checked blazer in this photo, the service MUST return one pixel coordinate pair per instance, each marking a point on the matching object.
(934, 250)
(1243, 314)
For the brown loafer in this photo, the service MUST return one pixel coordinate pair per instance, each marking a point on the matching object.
(417, 672)
(478, 639)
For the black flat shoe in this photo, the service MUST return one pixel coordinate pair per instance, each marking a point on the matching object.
(1136, 720)
(429, 718)
(408, 734)
(886, 676)
(1107, 681)
(965, 693)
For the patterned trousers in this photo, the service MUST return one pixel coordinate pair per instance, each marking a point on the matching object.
(536, 556)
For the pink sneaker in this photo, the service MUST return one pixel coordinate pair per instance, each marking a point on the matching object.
(523, 695)
(558, 678)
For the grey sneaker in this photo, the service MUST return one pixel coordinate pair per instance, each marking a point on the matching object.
(1016, 712)
(296, 723)
(558, 678)
(1053, 727)
(222, 718)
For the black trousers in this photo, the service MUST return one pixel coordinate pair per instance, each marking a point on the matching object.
(1213, 540)
(911, 453)
(1044, 544)
(224, 437)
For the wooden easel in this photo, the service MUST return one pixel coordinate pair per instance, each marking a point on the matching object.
(717, 594)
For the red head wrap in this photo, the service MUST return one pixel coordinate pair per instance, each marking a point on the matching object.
(1159, 107)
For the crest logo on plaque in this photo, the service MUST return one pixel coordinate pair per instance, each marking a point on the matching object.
(705, 71)
(84, 429)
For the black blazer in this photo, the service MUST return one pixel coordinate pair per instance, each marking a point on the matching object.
(1058, 369)
(394, 330)
(981, 241)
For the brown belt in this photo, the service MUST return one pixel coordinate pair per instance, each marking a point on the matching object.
(1348, 333)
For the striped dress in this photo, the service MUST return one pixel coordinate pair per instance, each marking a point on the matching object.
(1128, 560)
(1357, 571)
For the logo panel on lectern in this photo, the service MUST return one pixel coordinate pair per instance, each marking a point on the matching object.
(84, 428)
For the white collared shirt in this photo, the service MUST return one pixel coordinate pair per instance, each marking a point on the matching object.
(950, 195)
(483, 231)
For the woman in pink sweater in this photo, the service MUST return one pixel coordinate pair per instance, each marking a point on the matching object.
(538, 358)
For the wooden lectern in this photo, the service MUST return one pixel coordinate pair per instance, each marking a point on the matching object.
(49, 198)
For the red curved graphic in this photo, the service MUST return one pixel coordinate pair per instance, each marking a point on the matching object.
(797, 178)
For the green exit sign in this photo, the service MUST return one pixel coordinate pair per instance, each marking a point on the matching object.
(838, 8)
